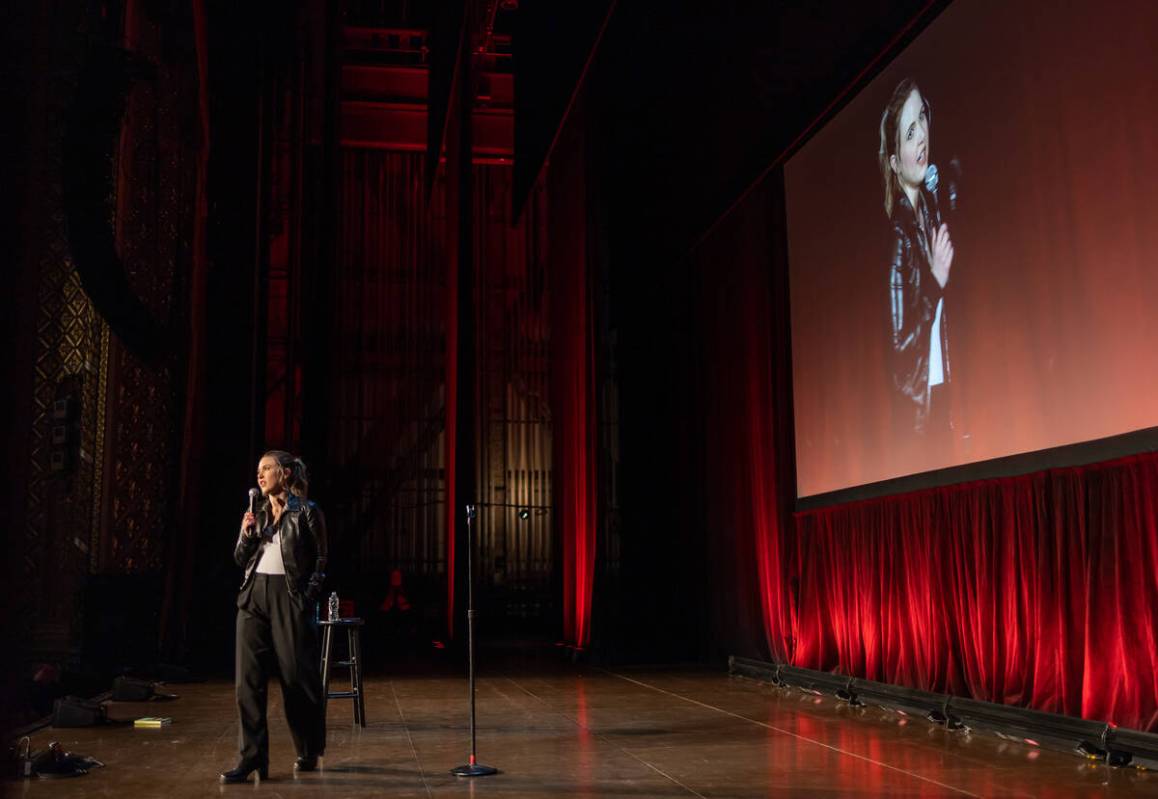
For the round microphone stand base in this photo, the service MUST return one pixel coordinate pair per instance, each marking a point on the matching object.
(473, 770)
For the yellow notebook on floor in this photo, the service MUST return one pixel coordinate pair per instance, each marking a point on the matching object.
(150, 722)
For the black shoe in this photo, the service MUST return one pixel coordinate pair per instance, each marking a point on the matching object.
(242, 772)
(306, 764)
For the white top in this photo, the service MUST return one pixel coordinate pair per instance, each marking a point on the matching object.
(271, 560)
(936, 366)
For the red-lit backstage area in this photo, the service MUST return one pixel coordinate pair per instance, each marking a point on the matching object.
(514, 398)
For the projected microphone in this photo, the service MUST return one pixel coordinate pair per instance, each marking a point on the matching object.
(933, 183)
(932, 179)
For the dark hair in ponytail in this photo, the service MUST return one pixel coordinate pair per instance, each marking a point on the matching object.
(298, 481)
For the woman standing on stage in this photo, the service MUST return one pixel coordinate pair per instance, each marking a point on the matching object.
(920, 260)
(282, 547)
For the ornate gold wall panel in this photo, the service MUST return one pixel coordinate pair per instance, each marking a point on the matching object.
(108, 509)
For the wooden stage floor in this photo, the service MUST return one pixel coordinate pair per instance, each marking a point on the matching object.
(558, 731)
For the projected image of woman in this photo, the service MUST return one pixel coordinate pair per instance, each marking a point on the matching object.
(920, 260)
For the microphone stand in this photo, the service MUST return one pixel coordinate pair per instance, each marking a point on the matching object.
(473, 768)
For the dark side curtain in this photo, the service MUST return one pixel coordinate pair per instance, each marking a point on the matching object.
(178, 588)
(1038, 591)
(743, 376)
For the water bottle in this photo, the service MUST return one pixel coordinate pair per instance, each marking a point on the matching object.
(334, 613)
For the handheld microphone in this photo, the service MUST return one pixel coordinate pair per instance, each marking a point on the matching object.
(253, 496)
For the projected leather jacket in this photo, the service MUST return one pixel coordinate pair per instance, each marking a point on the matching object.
(303, 547)
(913, 297)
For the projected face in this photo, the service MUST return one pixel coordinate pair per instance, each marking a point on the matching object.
(912, 156)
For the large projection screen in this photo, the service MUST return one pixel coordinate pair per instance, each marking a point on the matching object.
(1011, 307)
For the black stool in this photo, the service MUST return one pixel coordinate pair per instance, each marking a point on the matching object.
(354, 664)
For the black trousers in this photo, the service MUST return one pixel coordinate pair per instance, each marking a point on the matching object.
(276, 634)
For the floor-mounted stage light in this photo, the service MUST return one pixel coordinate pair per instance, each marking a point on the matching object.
(1118, 758)
(1090, 751)
(848, 694)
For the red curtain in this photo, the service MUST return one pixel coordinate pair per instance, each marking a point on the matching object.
(572, 368)
(1038, 591)
(747, 474)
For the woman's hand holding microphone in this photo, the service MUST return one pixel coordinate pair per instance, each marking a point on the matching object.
(248, 520)
(942, 255)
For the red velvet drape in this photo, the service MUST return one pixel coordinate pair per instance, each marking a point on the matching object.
(1039, 591)
(573, 420)
(747, 420)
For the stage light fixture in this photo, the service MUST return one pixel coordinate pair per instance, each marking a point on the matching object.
(1090, 751)
(524, 513)
(944, 716)
(1119, 758)
(847, 694)
(1142, 746)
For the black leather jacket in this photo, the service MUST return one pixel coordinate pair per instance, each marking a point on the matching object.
(913, 297)
(303, 547)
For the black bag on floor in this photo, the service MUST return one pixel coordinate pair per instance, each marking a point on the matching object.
(55, 763)
(131, 689)
(72, 711)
